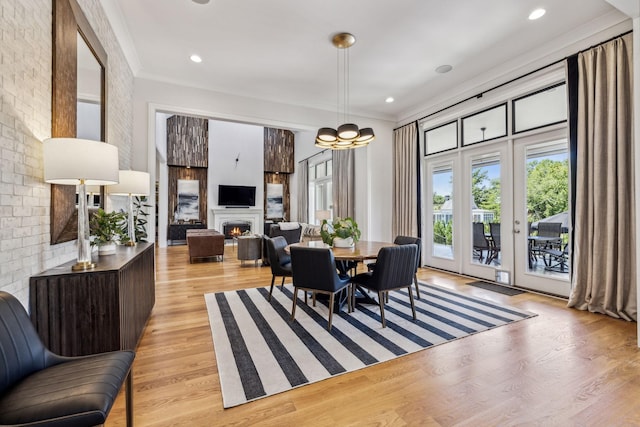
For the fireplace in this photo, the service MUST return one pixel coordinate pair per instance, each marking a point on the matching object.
(232, 229)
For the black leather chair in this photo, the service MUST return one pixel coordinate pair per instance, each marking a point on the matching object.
(40, 388)
(407, 240)
(395, 269)
(314, 270)
(279, 260)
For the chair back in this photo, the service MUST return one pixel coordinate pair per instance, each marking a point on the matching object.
(395, 267)
(479, 239)
(408, 240)
(277, 256)
(549, 229)
(494, 229)
(314, 268)
(21, 350)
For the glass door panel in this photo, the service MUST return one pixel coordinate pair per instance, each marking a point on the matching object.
(485, 209)
(440, 248)
(542, 216)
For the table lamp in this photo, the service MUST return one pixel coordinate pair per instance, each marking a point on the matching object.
(132, 183)
(81, 162)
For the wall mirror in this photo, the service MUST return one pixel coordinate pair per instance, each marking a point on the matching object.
(79, 101)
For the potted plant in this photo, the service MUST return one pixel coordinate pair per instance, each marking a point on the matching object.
(107, 228)
(340, 233)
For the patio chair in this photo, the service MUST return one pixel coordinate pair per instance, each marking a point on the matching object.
(547, 229)
(556, 260)
(494, 243)
(480, 242)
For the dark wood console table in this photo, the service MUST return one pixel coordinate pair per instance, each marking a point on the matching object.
(178, 232)
(85, 312)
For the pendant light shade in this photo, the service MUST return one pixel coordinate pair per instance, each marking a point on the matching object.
(347, 135)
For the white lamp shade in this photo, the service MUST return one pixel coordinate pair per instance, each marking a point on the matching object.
(68, 161)
(131, 182)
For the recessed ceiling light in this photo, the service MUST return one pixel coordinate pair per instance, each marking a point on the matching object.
(444, 69)
(201, 1)
(195, 58)
(536, 14)
(389, 100)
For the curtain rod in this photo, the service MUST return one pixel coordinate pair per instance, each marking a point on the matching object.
(313, 155)
(478, 96)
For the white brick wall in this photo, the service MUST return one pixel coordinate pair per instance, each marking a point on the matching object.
(25, 120)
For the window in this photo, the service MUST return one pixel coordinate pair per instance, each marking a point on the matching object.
(543, 108)
(441, 138)
(320, 190)
(485, 125)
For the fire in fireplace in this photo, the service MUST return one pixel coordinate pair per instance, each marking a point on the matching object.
(233, 229)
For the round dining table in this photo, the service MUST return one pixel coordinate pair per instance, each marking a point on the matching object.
(361, 251)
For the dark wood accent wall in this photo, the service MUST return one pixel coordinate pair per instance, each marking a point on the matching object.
(88, 312)
(278, 150)
(176, 173)
(279, 178)
(187, 141)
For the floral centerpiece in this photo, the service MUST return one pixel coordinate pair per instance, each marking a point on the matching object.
(341, 232)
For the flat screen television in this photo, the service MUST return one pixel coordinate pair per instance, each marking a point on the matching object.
(236, 195)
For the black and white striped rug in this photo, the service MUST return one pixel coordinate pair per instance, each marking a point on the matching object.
(260, 352)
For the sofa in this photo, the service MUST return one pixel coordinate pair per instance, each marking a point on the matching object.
(205, 243)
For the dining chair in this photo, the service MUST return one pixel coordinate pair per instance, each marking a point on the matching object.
(407, 240)
(395, 269)
(314, 270)
(40, 388)
(279, 260)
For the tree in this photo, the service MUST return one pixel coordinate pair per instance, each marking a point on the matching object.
(547, 188)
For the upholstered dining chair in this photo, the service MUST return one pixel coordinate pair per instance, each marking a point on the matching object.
(395, 269)
(279, 260)
(314, 270)
(407, 240)
(40, 388)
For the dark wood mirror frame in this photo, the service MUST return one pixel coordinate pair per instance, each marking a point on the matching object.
(68, 21)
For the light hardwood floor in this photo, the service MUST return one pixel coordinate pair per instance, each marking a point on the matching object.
(562, 368)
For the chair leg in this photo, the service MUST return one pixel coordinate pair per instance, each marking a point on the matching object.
(330, 310)
(282, 284)
(313, 299)
(295, 298)
(381, 302)
(413, 306)
(129, 398)
(273, 279)
(415, 280)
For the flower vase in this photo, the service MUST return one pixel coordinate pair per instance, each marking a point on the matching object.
(107, 249)
(339, 242)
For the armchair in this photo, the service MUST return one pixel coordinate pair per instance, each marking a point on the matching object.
(40, 388)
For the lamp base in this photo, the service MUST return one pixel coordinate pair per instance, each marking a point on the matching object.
(130, 243)
(83, 265)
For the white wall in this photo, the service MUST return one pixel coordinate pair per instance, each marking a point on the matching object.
(25, 120)
(228, 141)
(373, 164)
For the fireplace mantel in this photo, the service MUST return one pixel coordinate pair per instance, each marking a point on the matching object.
(250, 215)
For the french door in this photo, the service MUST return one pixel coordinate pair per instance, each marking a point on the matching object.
(483, 208)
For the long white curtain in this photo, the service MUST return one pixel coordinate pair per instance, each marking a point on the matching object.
(405, 181)
(604, 245)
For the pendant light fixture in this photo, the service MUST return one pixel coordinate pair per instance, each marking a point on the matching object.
(347, 135)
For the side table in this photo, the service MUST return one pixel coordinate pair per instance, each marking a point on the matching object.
(249, 248)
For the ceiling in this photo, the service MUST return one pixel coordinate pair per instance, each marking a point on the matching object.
(281, 50)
